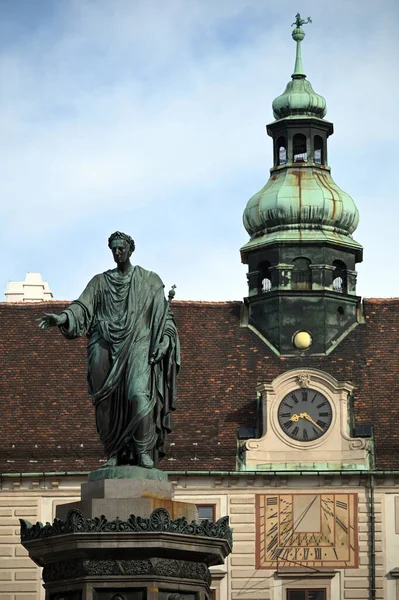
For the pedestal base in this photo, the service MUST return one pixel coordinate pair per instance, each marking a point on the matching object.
(133, 552)
(122, 491)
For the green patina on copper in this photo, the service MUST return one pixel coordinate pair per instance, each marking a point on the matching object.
(300, 196)
(299, 98)
(301, 255)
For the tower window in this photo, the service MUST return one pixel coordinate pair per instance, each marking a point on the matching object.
(339, 283)
(281, 146)
(264, 269)
(301, 275)
(318, 150)
(299, 148)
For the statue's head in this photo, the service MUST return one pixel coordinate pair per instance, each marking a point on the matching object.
(121, 245)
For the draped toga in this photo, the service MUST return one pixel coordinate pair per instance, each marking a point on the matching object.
(125, 317)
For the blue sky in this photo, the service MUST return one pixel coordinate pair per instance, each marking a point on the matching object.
(148, 116)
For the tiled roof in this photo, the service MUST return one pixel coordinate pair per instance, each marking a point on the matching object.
(47, 422)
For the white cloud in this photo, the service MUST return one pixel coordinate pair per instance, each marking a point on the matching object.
(143, 111)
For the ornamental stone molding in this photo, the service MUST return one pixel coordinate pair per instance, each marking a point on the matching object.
(275, 450)
(165, 567)
(159, 521)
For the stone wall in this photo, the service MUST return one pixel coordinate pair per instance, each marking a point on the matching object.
(35, 498)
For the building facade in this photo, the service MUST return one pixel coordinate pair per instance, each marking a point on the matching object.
(288, 401)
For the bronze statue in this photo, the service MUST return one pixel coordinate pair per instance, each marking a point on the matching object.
(132, 356)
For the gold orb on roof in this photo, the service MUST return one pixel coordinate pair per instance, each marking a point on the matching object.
(302, 340)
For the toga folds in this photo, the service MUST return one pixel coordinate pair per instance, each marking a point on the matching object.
(125, 317)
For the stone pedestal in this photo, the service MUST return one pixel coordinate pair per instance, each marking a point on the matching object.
(127, 540)
(122, 491)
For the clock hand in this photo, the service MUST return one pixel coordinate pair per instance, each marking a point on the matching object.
(295, 418)
(311, 420)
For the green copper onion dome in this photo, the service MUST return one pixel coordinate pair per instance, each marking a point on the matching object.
(299, 98)
(307, 199)
(301, 200)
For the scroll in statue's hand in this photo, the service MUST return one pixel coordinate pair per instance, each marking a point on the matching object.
(50, 320)
(161, 351)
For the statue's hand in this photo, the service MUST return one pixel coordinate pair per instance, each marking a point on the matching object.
(161, 351)
(50, 320)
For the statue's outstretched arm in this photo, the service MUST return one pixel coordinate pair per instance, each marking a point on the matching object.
(52, 320)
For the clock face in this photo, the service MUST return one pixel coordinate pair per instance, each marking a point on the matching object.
(304, 415)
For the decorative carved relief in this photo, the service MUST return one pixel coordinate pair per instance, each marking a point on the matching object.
(165, 567)
(303, 380)
(159, 520)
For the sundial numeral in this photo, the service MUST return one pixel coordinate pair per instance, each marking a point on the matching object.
(272, 529)
(317, 553)
(271, 501)
(272, 544)
(335, 552)
(276, 553)
(342, 525)
(340, 504)
(285, 554)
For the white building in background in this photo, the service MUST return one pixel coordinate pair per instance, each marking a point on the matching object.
(33, 289)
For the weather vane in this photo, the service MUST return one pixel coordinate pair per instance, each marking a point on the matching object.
(299, 22)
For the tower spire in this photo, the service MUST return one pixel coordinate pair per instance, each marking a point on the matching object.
(298, 35)
(301, 255)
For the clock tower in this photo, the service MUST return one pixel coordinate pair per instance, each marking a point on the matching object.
(301, 255)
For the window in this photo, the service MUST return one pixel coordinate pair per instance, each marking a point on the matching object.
(265, 276)
(318, 150)
(281, 146)
(301, 275)
(206, 511)
(306, 594)
(339, 283)
(299, 148)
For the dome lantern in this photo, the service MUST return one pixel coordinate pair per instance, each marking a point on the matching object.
(299, 98)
